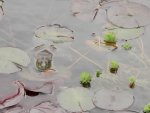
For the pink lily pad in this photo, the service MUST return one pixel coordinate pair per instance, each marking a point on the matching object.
(47, 107)
(11, 95)
(16, 109)
(40, 82)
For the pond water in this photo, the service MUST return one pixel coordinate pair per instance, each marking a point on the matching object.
(45, 45)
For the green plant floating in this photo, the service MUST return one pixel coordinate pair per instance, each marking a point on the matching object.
(85, 79)
(114, 66)
(132, 81)
(98, 73)
(147, 108)
(127, 46)
(110, 38)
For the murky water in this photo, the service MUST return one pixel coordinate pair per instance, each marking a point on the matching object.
(17, 27)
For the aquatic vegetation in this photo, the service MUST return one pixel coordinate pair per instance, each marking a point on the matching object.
(110, 37)
(44, 60)
(147, 108)
(47, 107)
(13, 98)
(132, 81)
(123, 33)
(76, 99)
(53, 33)
(55, 91)
(36, 83)
(98, 73)
(91, 11)
(129, 18)
(15, 109)
(85, 79)
(127, 46)
(11, 60)
(113, 99)
(114, 66)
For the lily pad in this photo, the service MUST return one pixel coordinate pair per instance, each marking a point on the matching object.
(131, 15)
(113, 99)
(11, 59)
(92, 10)
(53, 33)
(76, 99)
(126, 112)
(125, 34)
(11, 95)
(16, 109)
(47, 107)
(40, 82)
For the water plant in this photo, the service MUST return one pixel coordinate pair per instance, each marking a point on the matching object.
(85, 79)
(132, 81)
(110, 38)
(114, 65)
(11, 63)
(98, 73)
(147, 108)
(127, 46)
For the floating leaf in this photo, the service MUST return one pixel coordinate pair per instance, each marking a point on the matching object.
(122, 33)
(90, 10)
(131, 15)
(13, 97)
(40, 82)
(76, 99)
(47, 107)
(53, 33)
(125, 112)
(11, 59)
(17, 109)
(113, 99)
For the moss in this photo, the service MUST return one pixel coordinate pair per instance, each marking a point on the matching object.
(127, 46)
(85, 79)
(114, 65)
(132, 81)
(98, 73)
(146, 108)
(110, 37)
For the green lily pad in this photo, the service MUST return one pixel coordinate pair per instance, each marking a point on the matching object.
(113, 99)
(76, 99)
(122, 33)
(11, 59)
(53, 33)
